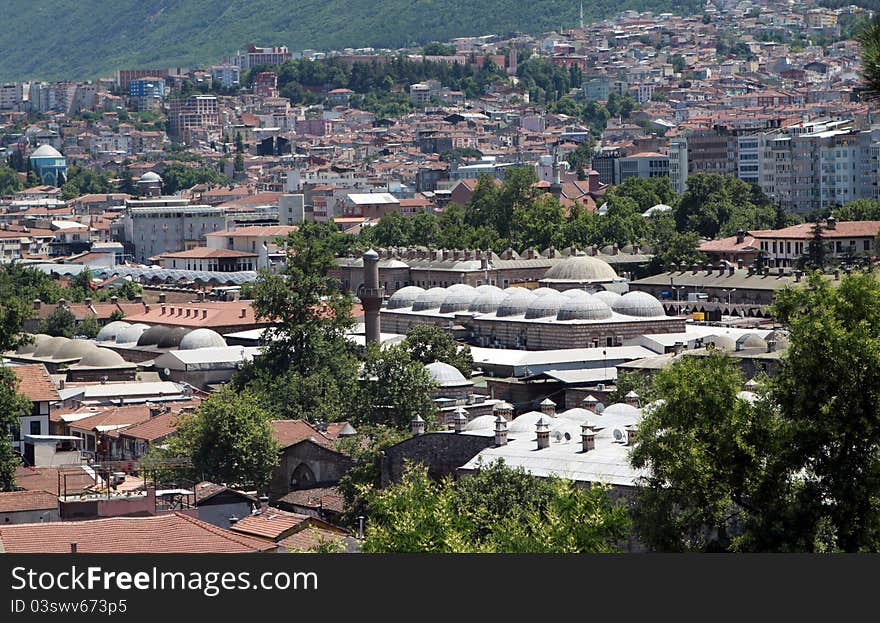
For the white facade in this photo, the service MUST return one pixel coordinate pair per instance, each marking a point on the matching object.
(153, 228)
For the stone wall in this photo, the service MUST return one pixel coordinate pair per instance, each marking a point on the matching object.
(327, 466)
(442, 453)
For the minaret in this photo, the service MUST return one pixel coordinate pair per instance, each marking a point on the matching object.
(371, 296)
(582, 15)
(556, 184)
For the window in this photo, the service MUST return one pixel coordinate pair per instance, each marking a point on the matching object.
(36, 427)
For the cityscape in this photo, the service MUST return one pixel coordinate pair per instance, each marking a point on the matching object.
(605, 288)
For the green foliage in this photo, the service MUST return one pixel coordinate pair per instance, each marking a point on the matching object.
(581, 158)
(869, 43)
(229, 439)
(632, 381)
(60, 323)
(718, 205)
(89, 327)
(707, 452)
(82, 181)
(394, 389)
(117, 314)
(428, 343)
(153, 33)
(12, 404)
(438, 49)
(859, 210)
(10, 182)
(497, 509)
(177, 176)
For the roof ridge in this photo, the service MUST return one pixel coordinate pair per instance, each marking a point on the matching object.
(247, 541)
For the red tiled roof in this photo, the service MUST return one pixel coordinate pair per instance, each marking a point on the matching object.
(154, 428)
(256, 230)
(328, 498)
(843, 229)
(35, 383)
(205, 252)
(174, 533)
(310, 538)
(216, 314)
(272, 523)
(730, 245)
(12, 501)
(75, 479)
(289, 432)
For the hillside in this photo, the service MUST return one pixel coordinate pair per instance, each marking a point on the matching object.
(59, 39)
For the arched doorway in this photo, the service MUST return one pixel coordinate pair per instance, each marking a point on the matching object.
(303, 477)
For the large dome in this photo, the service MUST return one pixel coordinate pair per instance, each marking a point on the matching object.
(581, 268)
(46, 151)
(488, 300)
(640, 304)
(458, 299)
(171, 339)
(446, 375)
(515, 304)
(151, 336)
(110, 330)
(74, 349)
(30, 347)
(201, 338)
(430, 299)
(131, 334)
(405, 297)
(101, 358)
(149, 178)
(482, 422)
(546, 306)
(583, 307)
(47, 348)
(544, 291)
(607, 296)
(525, 423)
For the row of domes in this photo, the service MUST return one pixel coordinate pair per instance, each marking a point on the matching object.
(65, 349)
(533, 304)
(160, 336)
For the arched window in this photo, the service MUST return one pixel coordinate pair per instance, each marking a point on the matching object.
(302, 477)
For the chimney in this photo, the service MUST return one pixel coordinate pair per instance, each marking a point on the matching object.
(590, 403)
(636, 249)
(548, 407)
(551, 252)
(630, 434)
(243, 312)
(500, 431)
(771, 346)
(417, 425)
(204, 314)
(632, 399)
(503, 409)
(161, 297)
(543, 430)
(730, 271)
(62, 303)
(162, 312)
(740, 236)
(61, 384)
(831, 222)
(594, 250)
(146, 308)
(114, 299)
(677, 348)
(88, 302)
(695, 268)
(37, 303)
(460, 420)
(739, 263)
(781, 271)
(588, 437)
(155, 410)
(836, 276)
(797, 276)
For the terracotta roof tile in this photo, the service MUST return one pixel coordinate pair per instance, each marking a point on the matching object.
(161, 534)
(12, 501)
(35, 383)
(271, 524)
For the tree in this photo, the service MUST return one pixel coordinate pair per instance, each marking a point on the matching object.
(715, 204)
(859, 210)
(708, 455)
(117, 314)
(10, 182)
(869, 43)
(229, 439)
(816, 248)
(828, 392)
(427, 343)
(89, 327)
(581, 157)
(538, 224)
(12, 404)
(394, 389)
(60, 323)
(238, 163)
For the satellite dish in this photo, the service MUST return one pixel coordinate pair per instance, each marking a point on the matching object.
(557, 435)
(166, 372)
(567, 437)
(599, 407)
(618, 435)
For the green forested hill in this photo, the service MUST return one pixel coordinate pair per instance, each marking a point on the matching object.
(64, 39)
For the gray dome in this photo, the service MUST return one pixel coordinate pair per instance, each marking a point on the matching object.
(151, 336)
(201, 338)
(583, 307)
(131, 334)
(546, 306)
(487, 288)
(483, 422)
(149, 177)
(750, 340)
(544, 291)
(430, 299)
(109, 331)
(171, 339)
(639, 304)
(405, 297)
(607, 296)
(47, 348)
(458, 300)
(460, 287)
(581, 268)
(46, 151)
(780, 336)
(515, 304)
(74, 349)
(516, 290)
(29, 348)
(446, 375)
(488, 300)
(720, 342)
(101, 358)
(525, 423)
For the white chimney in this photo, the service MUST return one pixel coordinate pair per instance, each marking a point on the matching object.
(460, 420)
(548, 407)
(590, 403)
(632, 399)
(631, 434)
(500, 431)
(588, 437)
(418, 426)
(503, 409)
(543, 430)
